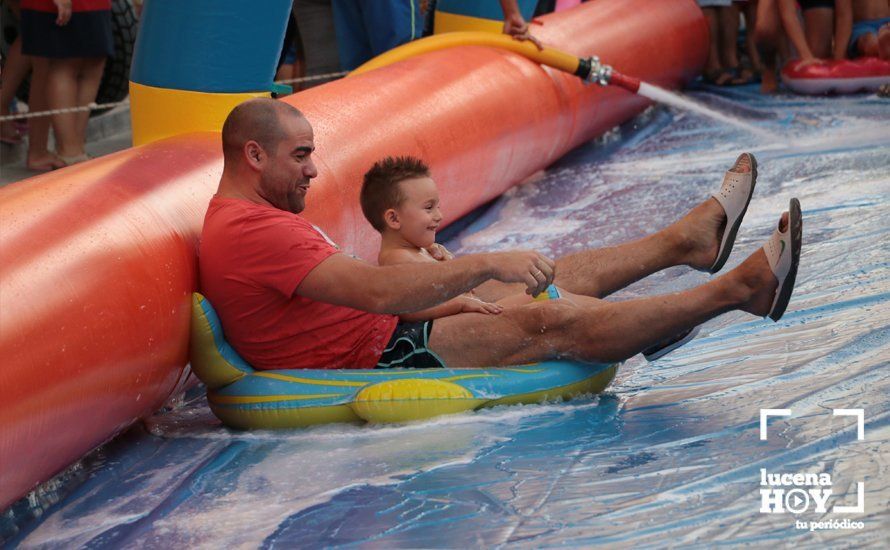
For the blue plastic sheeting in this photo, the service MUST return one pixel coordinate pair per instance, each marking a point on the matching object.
(227, 46)
(671, 456)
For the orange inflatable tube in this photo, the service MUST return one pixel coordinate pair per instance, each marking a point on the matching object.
(97, 261)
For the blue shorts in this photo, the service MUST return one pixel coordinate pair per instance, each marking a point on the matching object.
(408, 346)
(860, 29)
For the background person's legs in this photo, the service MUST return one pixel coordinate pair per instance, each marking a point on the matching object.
(87, 88)
(749, 10)
(884, 42)
(874, 44)
(15, 68)
(768, 36)
(729, 36)
(715, 72)
(62, 87)
(39, 156)
(391, 23)
(819, 30)
(353, 42)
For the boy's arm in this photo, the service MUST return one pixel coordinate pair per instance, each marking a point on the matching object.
(843, 27)
(461, 304)
(451, 307)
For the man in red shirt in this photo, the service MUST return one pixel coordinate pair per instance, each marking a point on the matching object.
(288, 298)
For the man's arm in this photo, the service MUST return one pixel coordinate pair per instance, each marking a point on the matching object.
(346, 281)
(462, 304)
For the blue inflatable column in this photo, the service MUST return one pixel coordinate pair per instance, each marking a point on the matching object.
(195, 60)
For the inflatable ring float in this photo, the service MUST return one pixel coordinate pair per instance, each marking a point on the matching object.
(865, 74)
(245, 398)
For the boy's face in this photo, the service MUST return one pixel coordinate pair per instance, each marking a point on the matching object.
(418, 217)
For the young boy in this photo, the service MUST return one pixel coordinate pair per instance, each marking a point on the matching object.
(400, 200)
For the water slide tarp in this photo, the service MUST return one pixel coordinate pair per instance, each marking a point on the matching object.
(671, 456)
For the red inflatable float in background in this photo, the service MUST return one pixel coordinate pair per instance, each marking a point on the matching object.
(865, 74)
(97, 261)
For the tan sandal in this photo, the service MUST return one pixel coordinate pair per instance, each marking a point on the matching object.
(783, 254)
(734, 196)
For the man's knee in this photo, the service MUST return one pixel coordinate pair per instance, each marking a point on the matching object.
(547, 317)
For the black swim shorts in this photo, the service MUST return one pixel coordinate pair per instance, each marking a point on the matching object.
(408, 348)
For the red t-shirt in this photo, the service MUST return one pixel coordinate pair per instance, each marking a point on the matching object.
(252, 258)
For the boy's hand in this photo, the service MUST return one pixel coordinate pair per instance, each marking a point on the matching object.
(523, 266)
(475, 305)
(439, 252)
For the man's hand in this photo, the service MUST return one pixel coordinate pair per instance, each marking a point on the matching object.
(439, 252)
(524, 266)
(516, 26)
(475, 305)
(64, 7)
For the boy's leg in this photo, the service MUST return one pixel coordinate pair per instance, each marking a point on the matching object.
(598, 331)
(694, 240)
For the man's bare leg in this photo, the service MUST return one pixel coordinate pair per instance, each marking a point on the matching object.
(694, 240)
(597, 330)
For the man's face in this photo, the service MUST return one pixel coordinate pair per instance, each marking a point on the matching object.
(285, 176)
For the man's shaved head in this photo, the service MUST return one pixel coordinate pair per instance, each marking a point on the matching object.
(258, 120)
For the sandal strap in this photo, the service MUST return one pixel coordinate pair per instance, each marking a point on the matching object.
(732, 201)
(778, 254)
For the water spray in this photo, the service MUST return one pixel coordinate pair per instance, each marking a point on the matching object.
(589, 69)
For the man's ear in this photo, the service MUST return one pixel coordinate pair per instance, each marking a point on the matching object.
(391, 219)
(254, 154)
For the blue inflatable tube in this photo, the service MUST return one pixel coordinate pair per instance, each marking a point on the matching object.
(249, 399)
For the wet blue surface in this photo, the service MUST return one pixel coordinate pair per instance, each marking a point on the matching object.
(670, 456)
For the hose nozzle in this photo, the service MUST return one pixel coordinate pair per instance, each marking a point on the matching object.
(593, 70)
(596, 71)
